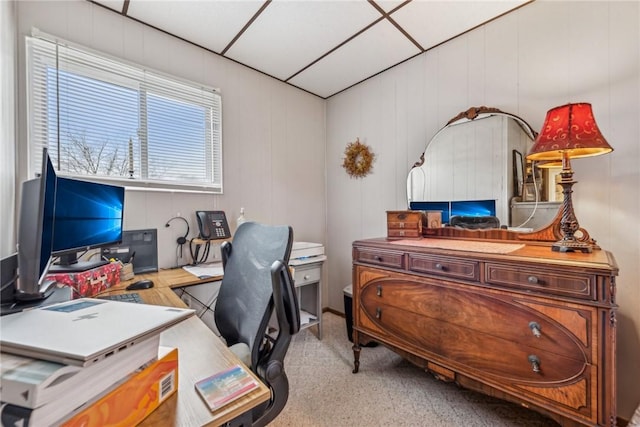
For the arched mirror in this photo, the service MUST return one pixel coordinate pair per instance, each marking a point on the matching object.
(475, 166)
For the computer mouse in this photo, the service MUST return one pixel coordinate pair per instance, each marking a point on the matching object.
(140, 284)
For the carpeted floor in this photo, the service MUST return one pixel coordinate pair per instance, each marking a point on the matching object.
(387, 391)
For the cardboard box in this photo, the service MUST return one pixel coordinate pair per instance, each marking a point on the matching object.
(137, 397)
(91, 282)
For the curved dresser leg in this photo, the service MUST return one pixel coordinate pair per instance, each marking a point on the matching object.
(356, 358)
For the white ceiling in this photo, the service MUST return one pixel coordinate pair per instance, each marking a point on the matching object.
(320, 46)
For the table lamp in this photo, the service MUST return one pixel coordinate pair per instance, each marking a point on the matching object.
(569, 131)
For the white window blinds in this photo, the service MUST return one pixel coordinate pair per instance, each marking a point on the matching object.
(106, 119)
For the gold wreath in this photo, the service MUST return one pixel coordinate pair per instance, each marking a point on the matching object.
(358, 159)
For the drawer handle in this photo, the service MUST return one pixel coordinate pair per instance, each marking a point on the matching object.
(535, 329)
(379, 290)
(306, 277)
(533, 280)
(535, 363)
(440, 267)
(378, 313)
(378, 258)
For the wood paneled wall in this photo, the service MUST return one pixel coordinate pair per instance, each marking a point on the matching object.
(542, 55)
(273, 134)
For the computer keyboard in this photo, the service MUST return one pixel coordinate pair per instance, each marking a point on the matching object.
(130, 297)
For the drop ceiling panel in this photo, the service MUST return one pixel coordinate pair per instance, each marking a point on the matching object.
(116, 5)
(375, 50)
(210, 24)
(314, 44)
(388, 5)
(433, 22)
(289, 35)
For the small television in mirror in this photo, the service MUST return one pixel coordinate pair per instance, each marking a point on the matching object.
(473, 208)
(461, 208)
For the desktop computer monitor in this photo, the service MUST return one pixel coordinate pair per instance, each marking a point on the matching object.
(60, 217)
(88, 215)
(35, 233)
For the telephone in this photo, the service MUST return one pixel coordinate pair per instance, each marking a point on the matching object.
(213, 225)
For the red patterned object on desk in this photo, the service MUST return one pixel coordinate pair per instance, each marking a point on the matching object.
(91, 282)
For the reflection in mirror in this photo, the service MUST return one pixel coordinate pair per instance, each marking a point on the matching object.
(478, 156)
(518, 174)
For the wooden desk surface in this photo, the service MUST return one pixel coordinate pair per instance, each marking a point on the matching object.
(200, 354)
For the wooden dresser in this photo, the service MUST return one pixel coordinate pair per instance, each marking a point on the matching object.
(509, 319)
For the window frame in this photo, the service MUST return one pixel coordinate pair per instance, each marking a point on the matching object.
(145, 82)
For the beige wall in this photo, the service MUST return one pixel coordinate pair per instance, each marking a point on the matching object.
(273, 134)
(540, 56)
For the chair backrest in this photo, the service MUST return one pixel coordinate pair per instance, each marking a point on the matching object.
(244, 303)
(256, 284)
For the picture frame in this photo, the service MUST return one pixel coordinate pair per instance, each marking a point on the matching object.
(554, 190)
(518, 173)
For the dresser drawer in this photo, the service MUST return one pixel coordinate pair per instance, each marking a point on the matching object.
(303, 276)
(506, 361)
(548, 327)
(556, 282)
(413, 225)
(446, 267)
(381, 258)
(403, 232)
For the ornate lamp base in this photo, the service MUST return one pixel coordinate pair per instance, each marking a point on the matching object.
(571, 246)
(569, 223)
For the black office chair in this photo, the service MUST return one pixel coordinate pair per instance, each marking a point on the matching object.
(257, 282)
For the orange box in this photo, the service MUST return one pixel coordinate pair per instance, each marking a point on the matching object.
(136, 397)
(91, 282)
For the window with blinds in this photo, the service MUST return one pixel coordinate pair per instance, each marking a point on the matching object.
(110, 120)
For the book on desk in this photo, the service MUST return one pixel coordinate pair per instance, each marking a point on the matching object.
(134, 399)
(33, 383)
(40, 388)
(226, 386)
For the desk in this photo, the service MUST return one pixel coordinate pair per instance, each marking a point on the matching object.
(200, 354)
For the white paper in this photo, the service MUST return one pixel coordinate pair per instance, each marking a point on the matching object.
(204, 271)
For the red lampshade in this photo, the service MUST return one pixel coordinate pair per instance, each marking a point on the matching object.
(570, 129)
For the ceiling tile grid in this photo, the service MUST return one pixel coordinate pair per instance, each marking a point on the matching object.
(210, 24)
(320, 46)
(433, 22)
(288, 36)
(373, 51)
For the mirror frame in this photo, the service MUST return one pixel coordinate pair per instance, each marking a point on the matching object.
(546, 235)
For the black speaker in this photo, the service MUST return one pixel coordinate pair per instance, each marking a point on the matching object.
(142, 245)
(9, 273)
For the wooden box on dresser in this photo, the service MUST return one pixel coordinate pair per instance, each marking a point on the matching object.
(512, 320)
